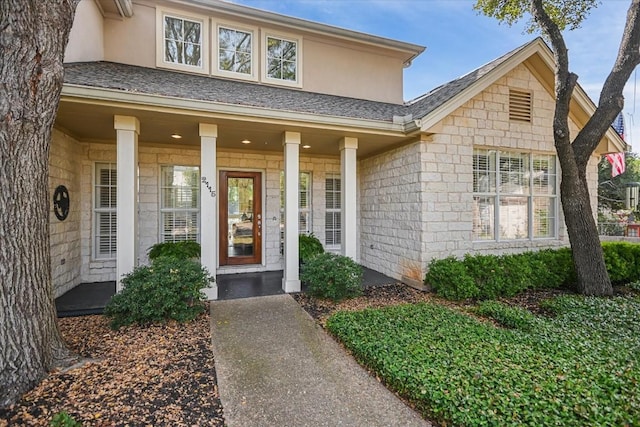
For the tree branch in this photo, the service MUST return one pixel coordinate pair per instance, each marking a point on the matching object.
(611, 98)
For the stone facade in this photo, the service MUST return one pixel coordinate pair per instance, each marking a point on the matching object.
(416, 202)
(151, 158)
(65, 236)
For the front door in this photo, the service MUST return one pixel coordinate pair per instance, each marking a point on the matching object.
(240, 218)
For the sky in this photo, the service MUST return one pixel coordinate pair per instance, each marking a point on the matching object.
(459, 40)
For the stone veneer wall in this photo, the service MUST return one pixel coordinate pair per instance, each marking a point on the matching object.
(393, 213)
(150, 159)
(416, 201)
(64, 235)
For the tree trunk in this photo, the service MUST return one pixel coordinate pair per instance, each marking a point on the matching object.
(588, 257)
(33, 37)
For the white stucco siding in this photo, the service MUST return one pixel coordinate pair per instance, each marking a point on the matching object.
(64, 235)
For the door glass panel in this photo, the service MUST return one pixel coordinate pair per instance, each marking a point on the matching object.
(240, 217)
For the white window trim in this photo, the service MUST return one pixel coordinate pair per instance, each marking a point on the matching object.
(255, 58)
(205, 47)
(530, 221)
(263, 60)
(162, 210)
(95, 256)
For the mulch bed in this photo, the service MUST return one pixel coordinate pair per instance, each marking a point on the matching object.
(137, 376)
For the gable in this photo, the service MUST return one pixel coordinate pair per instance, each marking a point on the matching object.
(433, 108)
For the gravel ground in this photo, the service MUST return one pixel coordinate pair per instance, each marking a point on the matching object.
(137, 376)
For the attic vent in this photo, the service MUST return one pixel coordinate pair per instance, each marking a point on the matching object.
(519, 105)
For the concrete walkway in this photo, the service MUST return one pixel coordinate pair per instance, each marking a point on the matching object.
(277, 367)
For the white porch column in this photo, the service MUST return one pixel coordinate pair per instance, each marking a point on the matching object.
(208, 204)
(291, 274)
(127, 130)
(348, 147)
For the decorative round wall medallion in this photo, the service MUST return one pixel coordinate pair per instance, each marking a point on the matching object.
(61, 202)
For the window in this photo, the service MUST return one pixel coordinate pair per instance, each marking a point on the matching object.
(514, 195)
(282, 63)
(333, 214)
(519, 105)
(105, 226)
(179, 203)
(304, 206)
(235, 51)
(182, 42)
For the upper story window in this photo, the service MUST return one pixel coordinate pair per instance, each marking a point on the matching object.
(183, 41)
(282, 60)
(236, 52)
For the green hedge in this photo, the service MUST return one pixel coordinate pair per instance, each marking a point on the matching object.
(492, 276)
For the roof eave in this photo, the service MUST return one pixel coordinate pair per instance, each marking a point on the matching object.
(113, 97)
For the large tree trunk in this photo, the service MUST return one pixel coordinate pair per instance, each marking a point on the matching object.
(33, 37)
(588, 257)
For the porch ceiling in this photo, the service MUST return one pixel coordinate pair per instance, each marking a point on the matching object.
(94, 123)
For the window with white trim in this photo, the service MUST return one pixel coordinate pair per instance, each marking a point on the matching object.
(333, 211)
(514, 195)
(182, 42)
(304, 206)
(179, 203)
(104, 211)
(282, 63)
(235, 52)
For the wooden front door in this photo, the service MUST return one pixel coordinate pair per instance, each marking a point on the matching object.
(240, 218)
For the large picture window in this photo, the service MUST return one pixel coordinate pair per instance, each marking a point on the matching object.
(235, 51)
(514, 195)
(105, 203)
(333, 211)
(180, 203)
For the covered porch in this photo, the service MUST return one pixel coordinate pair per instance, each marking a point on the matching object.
(91, 298)
(138, 137)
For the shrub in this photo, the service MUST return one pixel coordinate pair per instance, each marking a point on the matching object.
(182, 250)
(310, 246)
(169, 288)
(622, 263)
(509, 317)
(449, 278)
(332, 276)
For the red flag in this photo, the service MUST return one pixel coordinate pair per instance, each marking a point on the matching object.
(617, 163)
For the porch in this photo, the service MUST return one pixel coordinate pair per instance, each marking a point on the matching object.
(91, 298)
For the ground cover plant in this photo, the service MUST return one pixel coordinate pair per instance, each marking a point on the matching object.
(578, 367)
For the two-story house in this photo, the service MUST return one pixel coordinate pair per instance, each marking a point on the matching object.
(241, 128)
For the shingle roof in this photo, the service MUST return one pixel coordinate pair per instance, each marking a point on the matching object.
(425, 104)
(152, 81)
